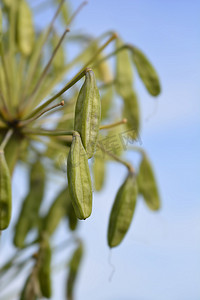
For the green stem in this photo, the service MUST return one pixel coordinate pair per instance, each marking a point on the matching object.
(46, 132)
(44, 74)
(77, 77)
(109, 126)
(110, 55)
(76, 12)
(113, 37)
(5, 71)
(32, 70)
(115, 157)
(6, 139)
(26, 122)
(66, 87)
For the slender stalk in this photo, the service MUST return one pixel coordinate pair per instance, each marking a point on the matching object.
(6, 139)
(109, 126)
(66, 87)
(5, 71)
(77, 12)
(31, 131)
(69, 116)
(4, 113)
(53, 145)
(36, 60)
(26, 122)
(113, 37)
(115, 157)
(44, 73)
(110, 55)
(77, 77)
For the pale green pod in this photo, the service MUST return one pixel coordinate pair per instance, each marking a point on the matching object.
(12, 150)
(88, 113)
(124, 72)
(79, 181)
(122, 211)
(147, 184)
(131, 112)
(103, 71)
(72, 219)
(29, 290)
(57, 211)
(106, 102)
(99, 172)
(74, 266)
(65, 11)
(29, 214)
(25, 28)
(44, 269)
(146, 72)
(5, 193)
(58, 62)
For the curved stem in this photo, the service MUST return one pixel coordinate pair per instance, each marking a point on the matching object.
(46, 132)
(115, 157)
(66, 87)
(6, 139)
(109, 126)
(26, 122)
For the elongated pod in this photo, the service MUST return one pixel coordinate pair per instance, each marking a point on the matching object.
(146, 72)
(74, 266)
(5, 193)
(57, 211)
(88, 113)
(25, 28)
(44, 269)
(29, 214)
(122, 211)
(79, 181)
(147, 184)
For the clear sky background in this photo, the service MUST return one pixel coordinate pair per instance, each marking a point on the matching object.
(159, 258)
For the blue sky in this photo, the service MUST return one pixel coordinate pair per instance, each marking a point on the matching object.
(159, 258)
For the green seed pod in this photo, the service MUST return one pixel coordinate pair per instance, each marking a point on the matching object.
(25, 28)
(74, 266)
(132, 113)
(106, 103)
(99, 172)
(88, 113)
(78, 173)
(29, 215)
(5, 193)
(103, 71)
(12, 150)
(57, 211)
(65, 11)
(44, 269)
(147, 184)
(72, 219)
(146, 72)
(29, 291)
(122, 211)
(58, 62)
(124, 73)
